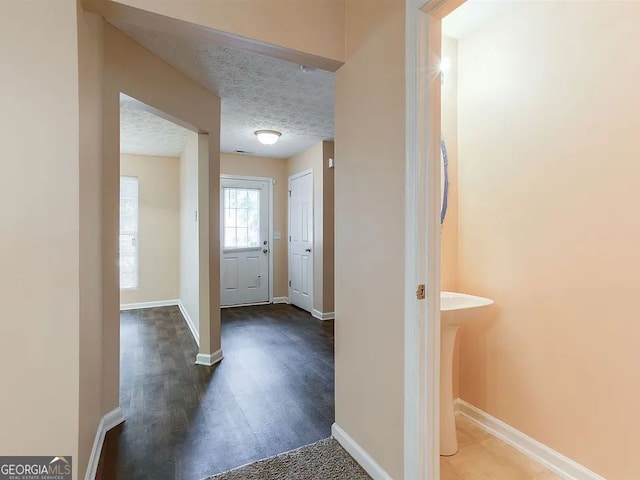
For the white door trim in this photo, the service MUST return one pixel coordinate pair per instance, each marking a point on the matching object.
(423, 38)
(308, 171)
(301, 174)
(271, 182)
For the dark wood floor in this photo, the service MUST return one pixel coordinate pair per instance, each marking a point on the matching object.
(273, 391)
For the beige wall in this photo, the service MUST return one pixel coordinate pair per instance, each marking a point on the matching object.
(369, 225)
(189, 257)
(549, 227)
(90, 48)
(328, 229)
(276, 168)
(133, 70)
(315, 28)
(208, 320)
(158, 227)
(449, 239)
(41, 228)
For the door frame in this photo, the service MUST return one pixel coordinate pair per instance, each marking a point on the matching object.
(423, 43)
(308, 171)
(270, 182)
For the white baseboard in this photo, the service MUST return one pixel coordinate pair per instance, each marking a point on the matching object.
(110, 420)
(554, 461)
(359, 454)
(189, 321)
(280, 299)
(245, 305)
(159, 303)
(323, 316)
(209, 359)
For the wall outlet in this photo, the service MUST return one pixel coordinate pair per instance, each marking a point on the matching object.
(277, 235)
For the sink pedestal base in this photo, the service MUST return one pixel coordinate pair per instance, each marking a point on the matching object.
(448, 438)
(455, 310)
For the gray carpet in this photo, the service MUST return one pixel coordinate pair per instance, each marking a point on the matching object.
(323, 460)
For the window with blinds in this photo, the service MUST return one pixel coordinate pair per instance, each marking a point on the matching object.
(128, 232)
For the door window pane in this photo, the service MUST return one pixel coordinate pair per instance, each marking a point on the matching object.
(241, 217)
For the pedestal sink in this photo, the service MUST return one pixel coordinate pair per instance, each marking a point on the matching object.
(456, 309)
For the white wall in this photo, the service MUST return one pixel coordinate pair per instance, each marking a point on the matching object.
(189, 258)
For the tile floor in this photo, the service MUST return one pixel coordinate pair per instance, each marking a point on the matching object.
(484, 457)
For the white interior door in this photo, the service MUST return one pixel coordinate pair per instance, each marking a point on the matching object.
(301, 240)
(245, 240)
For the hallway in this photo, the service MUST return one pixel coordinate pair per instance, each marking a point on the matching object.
(272, 392)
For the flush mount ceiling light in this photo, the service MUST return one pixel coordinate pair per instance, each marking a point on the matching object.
(267, 137)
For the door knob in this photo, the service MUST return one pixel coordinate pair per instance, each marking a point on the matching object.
(265, 250)
(308, 250)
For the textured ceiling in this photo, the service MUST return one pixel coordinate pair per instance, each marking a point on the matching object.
(143, 133)
(257, 92)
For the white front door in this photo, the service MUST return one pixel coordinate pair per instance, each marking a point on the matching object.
(301, 240)
(245, 245)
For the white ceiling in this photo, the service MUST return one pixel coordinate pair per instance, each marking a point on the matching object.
(470, 16)
(257, 93)
(143, 133)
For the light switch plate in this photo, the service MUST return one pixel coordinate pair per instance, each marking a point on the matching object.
(277, 235)
(332, 163)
